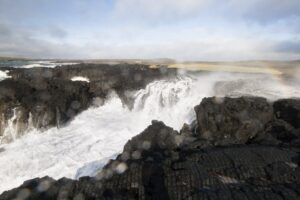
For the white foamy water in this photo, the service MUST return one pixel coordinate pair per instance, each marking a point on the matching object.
(32, 64)
(3, 75)
(48, 64)
(100, 133)
(80, 78)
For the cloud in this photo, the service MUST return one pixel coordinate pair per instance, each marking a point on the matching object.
(158, 9)
(188, 30)
(57, 32)
(4, 30)
(185, 44)
(288, 47)
(24, 42)
(252, 10)
(266, 10)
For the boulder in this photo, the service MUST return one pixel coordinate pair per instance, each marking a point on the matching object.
(232, 120)
(288, 110)
(157, 136)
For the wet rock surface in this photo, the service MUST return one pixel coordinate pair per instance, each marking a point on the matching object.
(47, 97)
(239, 172)
(232, 120)
(289, 111)
(161, 163)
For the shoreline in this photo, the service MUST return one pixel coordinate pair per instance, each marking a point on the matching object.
(227, 161)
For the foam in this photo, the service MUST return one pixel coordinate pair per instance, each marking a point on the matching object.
(80, 78)
(4, 75)
(48, 64)
(99, 133)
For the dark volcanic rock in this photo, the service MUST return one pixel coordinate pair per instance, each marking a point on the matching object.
(161, 163)
(46, 102)
(232, 120)
(285, 126)
(103, 77)
(48, 97)
(240, 172)
(282, 131)
(156, 136)
(289, 111)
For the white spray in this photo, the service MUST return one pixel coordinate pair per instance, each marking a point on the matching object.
(100, 133)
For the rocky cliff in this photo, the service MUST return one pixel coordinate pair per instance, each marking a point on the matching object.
(238, 148)
(46, 97)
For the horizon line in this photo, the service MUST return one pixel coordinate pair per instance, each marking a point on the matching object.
(143, 59)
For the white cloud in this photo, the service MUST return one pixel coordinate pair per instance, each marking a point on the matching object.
(265, 9)
(57, 32)
(193, 43)
(159, 8)
(252, 10)
(180, 29)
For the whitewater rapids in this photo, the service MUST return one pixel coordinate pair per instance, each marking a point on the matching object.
(99, 133)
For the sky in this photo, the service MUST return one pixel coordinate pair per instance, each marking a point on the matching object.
(207, 30)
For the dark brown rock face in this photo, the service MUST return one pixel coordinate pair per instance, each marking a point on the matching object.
(161, 163)
(232, 120)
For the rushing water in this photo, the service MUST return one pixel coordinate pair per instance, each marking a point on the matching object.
(99, 133)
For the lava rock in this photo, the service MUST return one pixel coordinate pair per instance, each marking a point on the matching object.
(232, 120)
(289, 111)
(44, 102)
(246, 171)
(156, 137)
(47, 97)
(153, 165)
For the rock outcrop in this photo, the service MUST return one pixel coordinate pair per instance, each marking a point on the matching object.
(233, 120)
(46, 97)
(41, 103)
(161, 163)
(289, 111)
